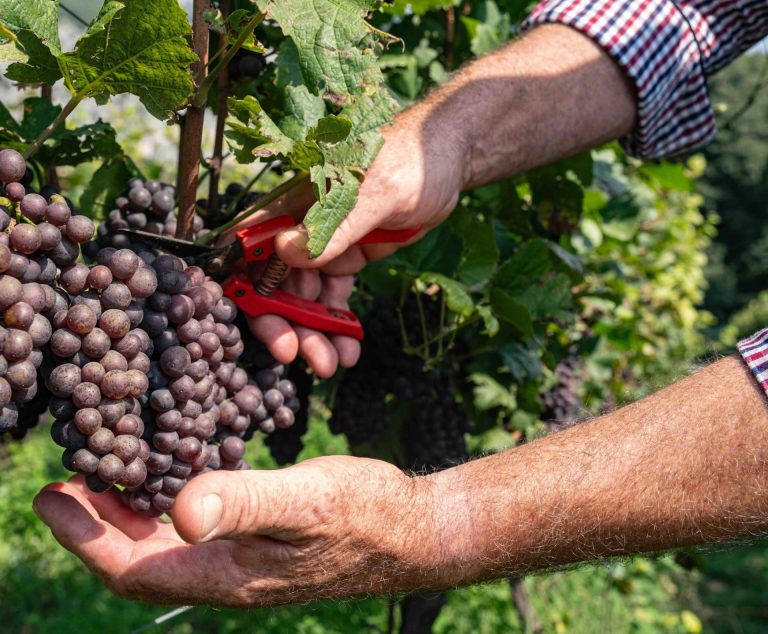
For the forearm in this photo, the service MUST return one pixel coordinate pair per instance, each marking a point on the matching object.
(687, 465)
(547, 96)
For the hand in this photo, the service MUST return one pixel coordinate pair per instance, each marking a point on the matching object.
(326, 528)
(414, 182)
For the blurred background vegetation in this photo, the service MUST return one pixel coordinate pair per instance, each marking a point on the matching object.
(675, 272)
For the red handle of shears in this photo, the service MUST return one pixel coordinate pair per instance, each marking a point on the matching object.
(258, 244)
(293, 308)
(258, 241)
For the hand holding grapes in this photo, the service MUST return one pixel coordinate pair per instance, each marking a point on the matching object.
(258, 537)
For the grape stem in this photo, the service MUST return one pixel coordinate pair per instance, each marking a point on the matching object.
(262, 202)
(45, 134)
(201, 95)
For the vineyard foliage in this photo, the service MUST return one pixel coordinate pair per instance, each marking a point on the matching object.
(598, 255)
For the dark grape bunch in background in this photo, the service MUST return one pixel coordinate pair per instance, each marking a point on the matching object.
(140, 351)
(388, 384)
(562, 402)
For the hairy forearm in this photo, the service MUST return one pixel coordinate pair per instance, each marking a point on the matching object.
(687, 465)
(544, 97)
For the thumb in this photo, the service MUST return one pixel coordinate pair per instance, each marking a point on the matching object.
(237, 504)
(291, 244)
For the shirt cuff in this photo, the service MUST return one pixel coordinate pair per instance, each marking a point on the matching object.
(754, 351)
(654, 42)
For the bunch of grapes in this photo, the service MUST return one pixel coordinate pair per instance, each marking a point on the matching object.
(388, 384)
(139, 350)
(286, 443)
(246, 65)
(562, 402)
(39, 241)
(145, 206)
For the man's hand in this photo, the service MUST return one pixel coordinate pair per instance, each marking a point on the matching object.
(552, 94)
(329, 527)
(414, 182)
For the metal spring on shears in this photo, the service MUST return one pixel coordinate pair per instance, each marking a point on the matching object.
(273, 276)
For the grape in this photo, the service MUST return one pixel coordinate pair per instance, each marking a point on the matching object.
(116, 295)
(110, 468)
(74, 278)
(232, 448)
(64, 343)
(5, 393)
(135, 473)
(81, 319)
(12, 166)
(88, 420)
(25, 238)
(85, 461)
(174, 361)
(115, 323)
(33, 206)
(96, 484)
(159, 463)
(79, 229)
(101, 441)
(18, 345)
(21, 375)
(96, 343)
(20, 316)
(99, 277)
(129, 424)
(139, 198)
(283, 417)
(115, 384)
(111, 411)
(126, 448)
(188, 449)
(57, 214)
(113, 360)
(66, 252)
(10, 291)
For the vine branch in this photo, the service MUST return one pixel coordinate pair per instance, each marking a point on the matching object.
(192, 131)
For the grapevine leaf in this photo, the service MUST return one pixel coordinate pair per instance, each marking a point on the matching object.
(489, 320)
(571, 260)
(139, 47)
(508, 309)
(520, 361)
(38, 114)
(489, 393)
(331, 129)
(78, 145)
(29, 36)
(7, 122)
(524, 268)
(40, 66)
(339, 201)
(439, 251)
(335, 49)
(550, 299)
(302, 112)
(107, 183)
(456, 296)
(480, 254)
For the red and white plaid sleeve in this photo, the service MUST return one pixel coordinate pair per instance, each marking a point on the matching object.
(667, 49)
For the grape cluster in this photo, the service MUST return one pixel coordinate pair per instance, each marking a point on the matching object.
(285, 444)
(139, 350)
(39, 241)
(388, 385)
(562, 402)
(145, 206)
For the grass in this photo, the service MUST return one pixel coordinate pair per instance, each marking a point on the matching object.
(45, 589)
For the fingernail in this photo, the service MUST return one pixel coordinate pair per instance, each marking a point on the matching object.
(212, 510)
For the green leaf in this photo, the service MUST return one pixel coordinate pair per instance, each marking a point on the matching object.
(520, 361)
(107, 183)
(438, 251)
(7, 122)
(489, 320)
(29, 36)
(322, 219)
(302, 112)
(79, 145)
(38, 115)
(456, 296)
(480, 254)
(508, 309)
(139, 47)
(331, 129)
(489, 393)
(525, 268)
(550, 299)
(40, 65)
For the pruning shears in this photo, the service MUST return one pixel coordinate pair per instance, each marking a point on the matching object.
(257, 244)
